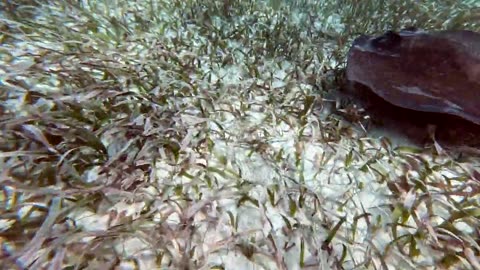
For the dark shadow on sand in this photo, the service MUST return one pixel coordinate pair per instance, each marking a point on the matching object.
(410, 125)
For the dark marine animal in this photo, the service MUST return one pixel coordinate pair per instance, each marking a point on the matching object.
(437, 72)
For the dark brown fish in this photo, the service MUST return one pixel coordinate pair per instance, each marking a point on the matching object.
(436, 72)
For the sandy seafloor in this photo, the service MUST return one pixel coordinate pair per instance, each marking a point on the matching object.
(338, 191)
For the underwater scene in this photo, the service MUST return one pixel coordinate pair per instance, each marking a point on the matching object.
(239, 134)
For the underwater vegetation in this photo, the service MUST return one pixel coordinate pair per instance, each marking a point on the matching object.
(210, 135)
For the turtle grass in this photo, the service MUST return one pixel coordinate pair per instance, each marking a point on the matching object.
(198, 135)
